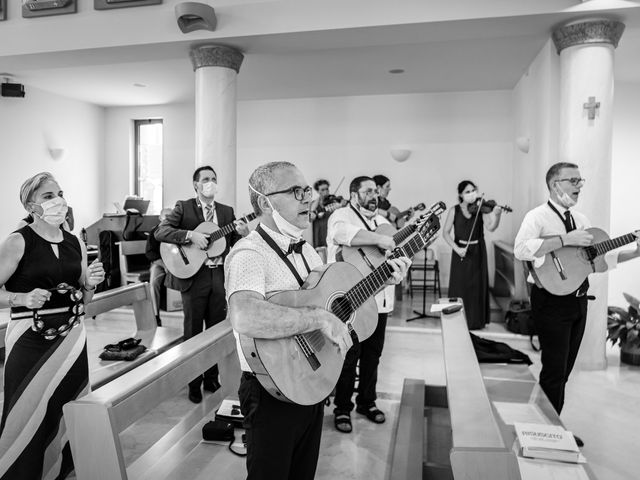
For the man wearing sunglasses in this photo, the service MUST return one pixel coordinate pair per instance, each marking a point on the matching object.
(559, 319)
(355, 225)
(283, 439)
(203, 295)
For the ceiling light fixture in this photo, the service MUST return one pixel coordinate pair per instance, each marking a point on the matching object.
(396, 71)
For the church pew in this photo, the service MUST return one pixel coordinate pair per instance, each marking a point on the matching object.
(156, 339)
(95, 421)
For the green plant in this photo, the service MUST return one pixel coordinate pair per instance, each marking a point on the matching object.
(623, 326)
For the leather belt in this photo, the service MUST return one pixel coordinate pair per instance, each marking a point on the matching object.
(465, 242)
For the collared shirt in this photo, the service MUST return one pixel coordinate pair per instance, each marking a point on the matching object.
(252, 265)
(542, 222)
(343, 225)
(203, 206)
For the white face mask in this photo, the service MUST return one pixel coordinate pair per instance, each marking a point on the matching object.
(470, 197)
(209, 189)
(366, 209)
(564, 198)
(286, 228)
(54, 211)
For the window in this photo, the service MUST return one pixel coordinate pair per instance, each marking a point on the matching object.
(148, 162)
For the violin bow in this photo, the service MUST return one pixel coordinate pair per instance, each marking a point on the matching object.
(475, 219)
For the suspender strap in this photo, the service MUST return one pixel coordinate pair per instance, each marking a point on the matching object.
(362, 218)
(282, 255)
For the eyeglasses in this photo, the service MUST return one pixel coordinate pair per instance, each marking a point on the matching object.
(575, 181)
(299, 193)
(369, 192)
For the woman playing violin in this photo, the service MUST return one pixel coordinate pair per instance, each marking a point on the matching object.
(469, 277)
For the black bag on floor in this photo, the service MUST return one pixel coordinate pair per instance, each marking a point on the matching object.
(519, 319)
(489, 351)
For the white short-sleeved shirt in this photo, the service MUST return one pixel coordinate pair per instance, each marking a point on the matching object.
(343, 225)
(542, 222)
(252, 265)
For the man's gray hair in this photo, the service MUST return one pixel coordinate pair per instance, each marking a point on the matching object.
(554, 171)
(32, 184)
(263, 180)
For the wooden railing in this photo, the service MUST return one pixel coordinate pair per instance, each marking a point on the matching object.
(94, 422)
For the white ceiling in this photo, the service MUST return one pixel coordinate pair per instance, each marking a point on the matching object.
(462, 55)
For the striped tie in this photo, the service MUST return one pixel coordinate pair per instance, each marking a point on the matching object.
(209, 211)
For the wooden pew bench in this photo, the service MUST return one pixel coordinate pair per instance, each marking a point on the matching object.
(156, 339)
(455, 431)
(95, 421)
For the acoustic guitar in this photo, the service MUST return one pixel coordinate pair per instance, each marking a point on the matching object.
(305, 368)
(368, 257)
(400, 217)
(564, 270)
(184, 261)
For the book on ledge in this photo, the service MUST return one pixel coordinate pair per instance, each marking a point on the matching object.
(549, 442)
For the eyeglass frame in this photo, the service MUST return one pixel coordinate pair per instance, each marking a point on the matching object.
(307, 192)
(369, 192)
(574, 181)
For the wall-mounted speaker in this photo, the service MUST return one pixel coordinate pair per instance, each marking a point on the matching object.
(12, 90)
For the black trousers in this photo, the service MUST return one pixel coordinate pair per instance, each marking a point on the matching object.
(283, 439)
(204, 304)
(368, 352)
(560, 323)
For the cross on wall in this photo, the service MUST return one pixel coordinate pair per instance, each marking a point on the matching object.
(591, 106)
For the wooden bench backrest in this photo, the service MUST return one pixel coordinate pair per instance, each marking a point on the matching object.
(137, 295)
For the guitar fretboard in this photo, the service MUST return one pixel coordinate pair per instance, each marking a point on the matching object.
(613, 243)
(227, 229)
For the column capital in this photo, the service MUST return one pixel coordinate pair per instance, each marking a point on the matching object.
(588, 31)
(216, 56)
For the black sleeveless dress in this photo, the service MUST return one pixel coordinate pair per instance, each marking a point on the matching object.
(41, 375)
(469, 277)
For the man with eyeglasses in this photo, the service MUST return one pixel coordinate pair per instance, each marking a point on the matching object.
(355, 225)
(203, 295)
(283, 439)
(559, 320)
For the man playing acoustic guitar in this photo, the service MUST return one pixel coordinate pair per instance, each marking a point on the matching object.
(559, 319)
(203, 295)
(283, 438)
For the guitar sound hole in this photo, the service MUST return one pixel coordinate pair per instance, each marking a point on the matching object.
(341, 308)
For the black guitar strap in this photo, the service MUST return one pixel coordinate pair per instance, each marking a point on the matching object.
(274, 246)
(362, 218)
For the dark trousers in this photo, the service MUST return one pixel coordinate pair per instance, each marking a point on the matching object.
(283, 439)
(368, 352)
(560, 322)
(204, 303)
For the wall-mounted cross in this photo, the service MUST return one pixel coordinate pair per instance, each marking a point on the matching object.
(591, 106)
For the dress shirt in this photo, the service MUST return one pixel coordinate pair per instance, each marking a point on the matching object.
(252, 265)
(541, 222)
(343, 225)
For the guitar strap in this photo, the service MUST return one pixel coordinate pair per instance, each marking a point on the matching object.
(274, 246)
(362, 218)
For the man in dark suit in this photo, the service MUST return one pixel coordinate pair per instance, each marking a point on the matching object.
(203, 295)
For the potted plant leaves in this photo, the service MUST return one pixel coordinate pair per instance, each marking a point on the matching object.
(623, 327)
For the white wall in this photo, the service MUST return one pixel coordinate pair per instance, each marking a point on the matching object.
(31, 125)
(178, 151)
(624, 176)
(453, 136)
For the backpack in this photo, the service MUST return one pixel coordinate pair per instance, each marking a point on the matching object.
(132, 226)
(519, 319)
(489, 351)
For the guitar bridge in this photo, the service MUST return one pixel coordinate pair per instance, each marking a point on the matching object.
(558, 265)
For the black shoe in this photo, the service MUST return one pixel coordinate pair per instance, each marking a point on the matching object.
(211, 385)
(195, 395)
(579, 441)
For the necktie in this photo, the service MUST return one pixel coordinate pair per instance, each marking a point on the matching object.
(568, 221)
(296, 247)
(209, 213)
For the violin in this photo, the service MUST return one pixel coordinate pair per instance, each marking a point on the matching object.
(486, 206)
(333, 202)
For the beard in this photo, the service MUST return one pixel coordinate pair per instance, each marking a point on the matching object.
(371, 205)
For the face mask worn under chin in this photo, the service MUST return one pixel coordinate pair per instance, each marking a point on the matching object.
(564, 198)
(54, 211)
(470, 197)
(286, 228)
(209, 189)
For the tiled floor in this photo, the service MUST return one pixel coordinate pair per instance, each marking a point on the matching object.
(601, 406)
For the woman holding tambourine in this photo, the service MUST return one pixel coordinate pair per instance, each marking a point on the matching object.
(43, 269)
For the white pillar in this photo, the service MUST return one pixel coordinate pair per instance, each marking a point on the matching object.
(586, 51)
(216, 68)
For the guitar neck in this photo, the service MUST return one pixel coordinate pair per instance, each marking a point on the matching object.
(613, 243)
(227, 229)
(370, 285)
(401, 235)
